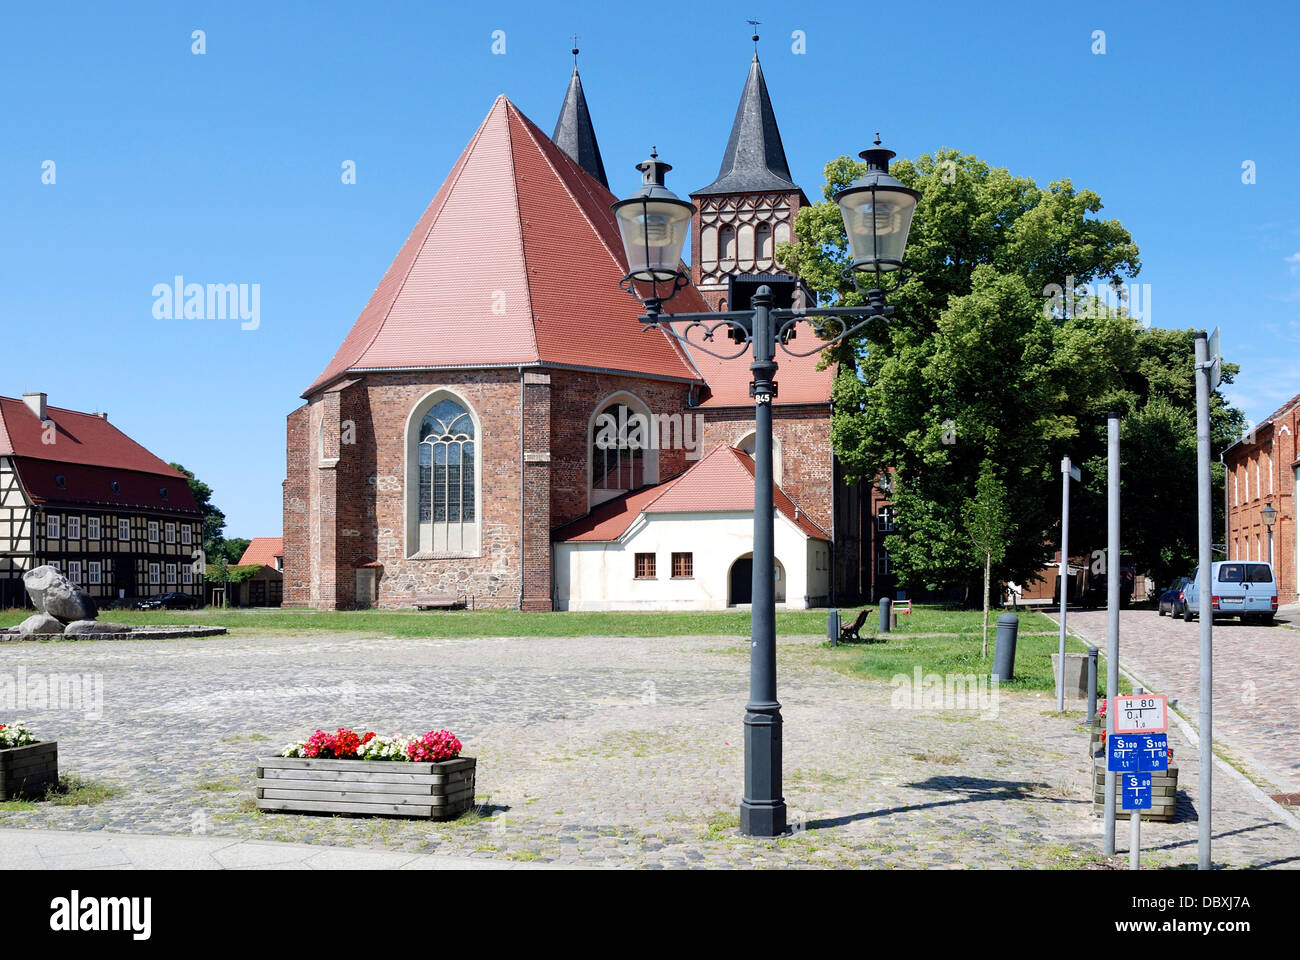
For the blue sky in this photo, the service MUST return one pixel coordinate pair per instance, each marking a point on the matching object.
(225, 167)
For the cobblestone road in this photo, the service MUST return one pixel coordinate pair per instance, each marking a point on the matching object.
(617, 752)
(1256, 681)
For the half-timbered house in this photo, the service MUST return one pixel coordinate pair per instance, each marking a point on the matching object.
(80, 495)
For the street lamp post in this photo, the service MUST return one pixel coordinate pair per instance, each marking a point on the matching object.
(877, 211)
(1270, 517)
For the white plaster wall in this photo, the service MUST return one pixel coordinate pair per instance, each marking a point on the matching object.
(601, 576)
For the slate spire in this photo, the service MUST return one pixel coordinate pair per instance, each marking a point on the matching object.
(574, 133)
(755, 159)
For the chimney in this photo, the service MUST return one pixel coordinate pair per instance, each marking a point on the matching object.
(36, 404)
(101, 414)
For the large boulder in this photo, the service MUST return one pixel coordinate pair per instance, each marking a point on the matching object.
(39, 623)
(55, 594)
(95, 628)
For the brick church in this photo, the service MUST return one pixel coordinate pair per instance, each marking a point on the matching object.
(452, 449)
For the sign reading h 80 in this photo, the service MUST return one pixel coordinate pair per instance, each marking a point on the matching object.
(1142, 713)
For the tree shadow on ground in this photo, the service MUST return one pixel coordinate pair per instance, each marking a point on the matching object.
(972, 790)
(1173, 845)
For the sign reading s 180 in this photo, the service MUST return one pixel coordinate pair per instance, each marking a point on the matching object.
(1142, 713)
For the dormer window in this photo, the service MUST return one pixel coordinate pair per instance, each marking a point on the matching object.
(115, 486)
(162, 492)
(61, 482)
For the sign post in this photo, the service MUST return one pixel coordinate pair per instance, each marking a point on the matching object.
(1209, 368)
(1112, 615)
(1068, 472)
(1139, 748)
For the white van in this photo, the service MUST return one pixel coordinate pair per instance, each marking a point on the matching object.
(1238, 588)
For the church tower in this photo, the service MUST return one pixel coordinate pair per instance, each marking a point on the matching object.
(751, 207)
(574, 133)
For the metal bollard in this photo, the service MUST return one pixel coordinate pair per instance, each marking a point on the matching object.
(833, 627)
(1004, 653)
(1092, 682)
(885, 606)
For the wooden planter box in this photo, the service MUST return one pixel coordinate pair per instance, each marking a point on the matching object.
(434, 791)
(29, 771)
(1164, 793)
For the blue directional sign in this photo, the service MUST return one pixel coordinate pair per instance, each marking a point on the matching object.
(1136, 793)
(1153, 751)
(1122, 753)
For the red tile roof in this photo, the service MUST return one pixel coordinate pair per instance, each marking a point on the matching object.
(51, 483)
(516, 260)
(87, 458)
(81, 438)
(263, 550)
(721, 482)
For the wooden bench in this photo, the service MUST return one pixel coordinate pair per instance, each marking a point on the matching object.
(850, 632)
(444, 601)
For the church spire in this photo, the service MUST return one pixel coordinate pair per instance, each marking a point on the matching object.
(574, 133)
(754, 160)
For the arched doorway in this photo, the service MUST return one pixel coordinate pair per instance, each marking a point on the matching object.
(740, 581)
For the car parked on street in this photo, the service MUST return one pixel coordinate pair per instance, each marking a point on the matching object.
(1238, 588)
(1171, 600)
(171, 601)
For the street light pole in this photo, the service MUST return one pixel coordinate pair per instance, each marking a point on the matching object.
(762, 810)
(877, 211)
(1269, 513)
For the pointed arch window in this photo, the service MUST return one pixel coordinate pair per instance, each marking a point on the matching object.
(446, 478)
(623, 453)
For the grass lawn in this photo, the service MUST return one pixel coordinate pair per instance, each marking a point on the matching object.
(956, 655)
(957, 650)
(513, 623)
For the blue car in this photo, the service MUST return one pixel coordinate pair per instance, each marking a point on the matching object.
(1171, 600)
(1238, 588)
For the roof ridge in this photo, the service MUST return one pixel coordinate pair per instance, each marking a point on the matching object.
(519, 223)
(613, 255)
(447, 188)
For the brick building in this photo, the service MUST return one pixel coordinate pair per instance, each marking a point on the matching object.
(456, 433)
(1262, 469)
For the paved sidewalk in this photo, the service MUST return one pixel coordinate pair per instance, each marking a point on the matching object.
(87, 850)
(1256, 682)
(592, 751)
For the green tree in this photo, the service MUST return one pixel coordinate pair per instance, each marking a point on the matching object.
(980, 362)
(988, 526)
(214, 521)
(232, 550)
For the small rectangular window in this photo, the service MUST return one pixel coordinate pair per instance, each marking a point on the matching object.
(74, 571)
(645, 566)
(95, 574)
(170, 534)
(52, 527)
(187, 574)
(92, 528)
(124, 530)
(187, 534)
(683, 566)
(74, 528)
(885, 519)
(155, 574)
(153, 531)
(882, 563)
(171, 574)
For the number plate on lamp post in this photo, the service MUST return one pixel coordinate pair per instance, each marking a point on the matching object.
(1142, 713)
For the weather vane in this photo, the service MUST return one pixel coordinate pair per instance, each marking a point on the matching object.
(754, 24)
(574, 37)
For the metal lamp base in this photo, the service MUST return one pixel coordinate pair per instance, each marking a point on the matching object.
(763, 810)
